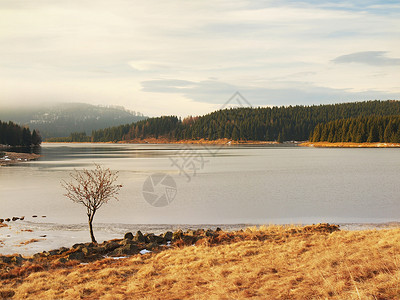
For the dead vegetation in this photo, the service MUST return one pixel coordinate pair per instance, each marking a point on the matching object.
(270, 262)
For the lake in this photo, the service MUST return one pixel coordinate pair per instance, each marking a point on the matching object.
(209, 185)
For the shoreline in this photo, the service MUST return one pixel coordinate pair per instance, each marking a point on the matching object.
(232, 142)
(8, 158)
(349, 145)
(49, 236)
(167, 141)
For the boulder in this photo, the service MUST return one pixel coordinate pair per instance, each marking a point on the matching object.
(128, 236)
(190, 232)
(7, 220)
(168, 236)
(151, 246)
(54, 252)
(125, 250)
(77, 255)
(209, 232)
(15, 218)
(5, 259)
(62, 260)
(18, 259)
(139, 237)
(62, 250)
(1, 220)
(111, 246)
(177, 235)
(78, 246)
(152, 238)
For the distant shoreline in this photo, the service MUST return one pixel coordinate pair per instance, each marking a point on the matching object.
(232, 142)
(349, 145)
(167, 141)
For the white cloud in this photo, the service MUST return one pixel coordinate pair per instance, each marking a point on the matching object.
(139, 54)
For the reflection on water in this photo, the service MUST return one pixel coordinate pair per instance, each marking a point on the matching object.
(237, 184)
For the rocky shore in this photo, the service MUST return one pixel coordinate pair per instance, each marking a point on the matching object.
(139, 243)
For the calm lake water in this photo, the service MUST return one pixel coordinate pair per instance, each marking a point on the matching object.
(230, 185)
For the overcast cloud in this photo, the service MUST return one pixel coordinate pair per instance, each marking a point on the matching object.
(189, 57)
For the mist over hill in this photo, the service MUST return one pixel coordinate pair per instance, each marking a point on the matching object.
(58, 120)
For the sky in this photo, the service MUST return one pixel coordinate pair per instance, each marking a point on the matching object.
(189, 57)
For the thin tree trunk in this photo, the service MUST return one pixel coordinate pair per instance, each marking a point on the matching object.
(91, 228)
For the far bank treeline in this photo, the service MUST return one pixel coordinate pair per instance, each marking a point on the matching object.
(250, 124)
(14, 135)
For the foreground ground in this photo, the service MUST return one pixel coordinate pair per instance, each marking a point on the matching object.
(274, 262)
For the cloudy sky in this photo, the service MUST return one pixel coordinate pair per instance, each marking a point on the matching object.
(189, 57)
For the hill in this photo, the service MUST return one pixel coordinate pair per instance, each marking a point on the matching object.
(247, 124)
(57, 120)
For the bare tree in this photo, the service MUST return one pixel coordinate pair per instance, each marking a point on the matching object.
(92, 188)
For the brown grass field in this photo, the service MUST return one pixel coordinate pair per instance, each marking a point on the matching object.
(270, 262)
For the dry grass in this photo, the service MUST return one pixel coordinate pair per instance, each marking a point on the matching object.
(28, 242)
(290, 264)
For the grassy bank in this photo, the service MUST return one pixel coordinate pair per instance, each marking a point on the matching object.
(271, 262)
(349, 145)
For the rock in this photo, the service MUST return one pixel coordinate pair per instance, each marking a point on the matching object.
(177, 235)
(37, 255)
(62, 250)
(53, 252)
(1, 220)
(34, 216)
(128, 236)
(168, 236)
(22, 218)
(78, 246)
(218, 229)
(151, 246)
(17, 259)
(15, 218)
(127, 242)
(200, 232)
(152, 238)
(7, 220)
(62, 260)
(125, 250)
(188, 240)
(111, 246)
(209, 232)
(139, 237)
(190, 232)
(77, 255)
(5, 259)
(86, 251)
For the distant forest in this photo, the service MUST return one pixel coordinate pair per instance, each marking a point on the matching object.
(14, 135)
(369, 129)
(259, 124)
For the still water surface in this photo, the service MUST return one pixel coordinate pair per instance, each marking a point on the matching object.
(231, 184)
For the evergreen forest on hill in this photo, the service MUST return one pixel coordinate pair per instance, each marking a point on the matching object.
(286, 123)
